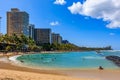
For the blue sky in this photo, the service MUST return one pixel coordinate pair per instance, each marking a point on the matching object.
(82, 22)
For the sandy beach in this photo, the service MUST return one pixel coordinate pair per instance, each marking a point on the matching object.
(13, 72)
(19, 75)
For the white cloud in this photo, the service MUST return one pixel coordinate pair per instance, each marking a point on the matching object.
(76, 8)
(112, 34)
(60, 2)
(108, 10)
(54, 23)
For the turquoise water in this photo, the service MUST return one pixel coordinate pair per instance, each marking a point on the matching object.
(111, 52)
(69, 60)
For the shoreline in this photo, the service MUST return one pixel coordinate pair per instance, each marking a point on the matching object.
(15, 62)
(6, 67)
(93, 74)
(84, 74)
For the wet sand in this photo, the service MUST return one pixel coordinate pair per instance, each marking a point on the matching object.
(20, 75)
(11, 72)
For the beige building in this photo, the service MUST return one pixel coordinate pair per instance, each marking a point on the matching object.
(17, 22)
(56, 38)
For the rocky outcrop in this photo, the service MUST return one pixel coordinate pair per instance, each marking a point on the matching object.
(114, 59)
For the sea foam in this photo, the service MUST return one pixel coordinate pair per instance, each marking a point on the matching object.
(14, 59)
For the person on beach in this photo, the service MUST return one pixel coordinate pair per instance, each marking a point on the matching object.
(100, 68)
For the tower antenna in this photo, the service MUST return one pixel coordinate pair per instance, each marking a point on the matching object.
(0, 25)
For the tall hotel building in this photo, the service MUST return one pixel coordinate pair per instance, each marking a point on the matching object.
(42, 36)
(17, 22)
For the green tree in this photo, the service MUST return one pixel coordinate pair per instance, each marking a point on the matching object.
(24, 39)
(8, 48)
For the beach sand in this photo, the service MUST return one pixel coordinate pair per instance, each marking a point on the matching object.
(18, 75)
(13, 72)
(10, 72)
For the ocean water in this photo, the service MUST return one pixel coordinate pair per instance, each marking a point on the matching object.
(69, 60)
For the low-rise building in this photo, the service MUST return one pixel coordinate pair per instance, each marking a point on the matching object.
(56, 38)
(65, 41)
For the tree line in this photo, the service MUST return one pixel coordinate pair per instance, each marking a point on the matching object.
(24, 43)
(15, 43)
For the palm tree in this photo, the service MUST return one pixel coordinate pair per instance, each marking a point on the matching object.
(5, 39)
(24, 39)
